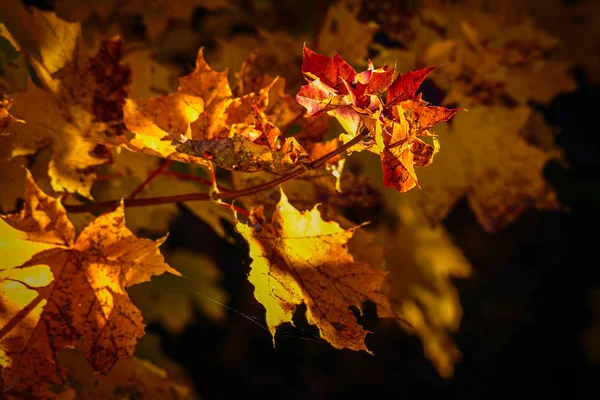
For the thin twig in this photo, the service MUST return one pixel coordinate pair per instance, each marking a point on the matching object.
(233, 194)
(149, 178)
(190, 177)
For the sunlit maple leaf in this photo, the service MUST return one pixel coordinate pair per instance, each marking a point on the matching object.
(498, 184)
(193, 111)
(58, 290)
(299, 258)
(235, 133)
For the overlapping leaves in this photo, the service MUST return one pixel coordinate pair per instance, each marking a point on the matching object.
(395, 125)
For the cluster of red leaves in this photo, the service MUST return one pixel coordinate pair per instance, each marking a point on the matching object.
(356, 100)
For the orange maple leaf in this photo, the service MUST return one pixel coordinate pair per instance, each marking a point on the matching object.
(299, 258)
(57, 290)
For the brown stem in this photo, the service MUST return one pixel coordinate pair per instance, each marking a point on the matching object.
(233, 194)
(149, 178)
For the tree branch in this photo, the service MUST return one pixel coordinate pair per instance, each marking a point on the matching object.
(233, 194)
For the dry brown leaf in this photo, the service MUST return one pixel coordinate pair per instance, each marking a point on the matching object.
(58, 290)
(299, 258)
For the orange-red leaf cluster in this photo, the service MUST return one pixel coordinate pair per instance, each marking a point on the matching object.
(356, 100)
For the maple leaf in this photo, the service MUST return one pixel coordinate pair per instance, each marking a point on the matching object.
(499, 185)
(299, 258)
(58, 290)
(235, 133)
(78, 109)
(354, 99)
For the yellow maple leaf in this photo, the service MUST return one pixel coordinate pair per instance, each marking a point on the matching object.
(58, 290)
(299, 258)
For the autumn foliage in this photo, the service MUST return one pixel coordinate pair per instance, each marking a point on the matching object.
(99, 147)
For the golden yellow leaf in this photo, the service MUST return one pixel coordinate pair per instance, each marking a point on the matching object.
(58, 290)
(194, 111)
(299, 258)
(488, 161)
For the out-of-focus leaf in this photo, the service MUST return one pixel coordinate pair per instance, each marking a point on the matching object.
(488, 161)
(344, 34)
(130, 378)
(171, 300)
